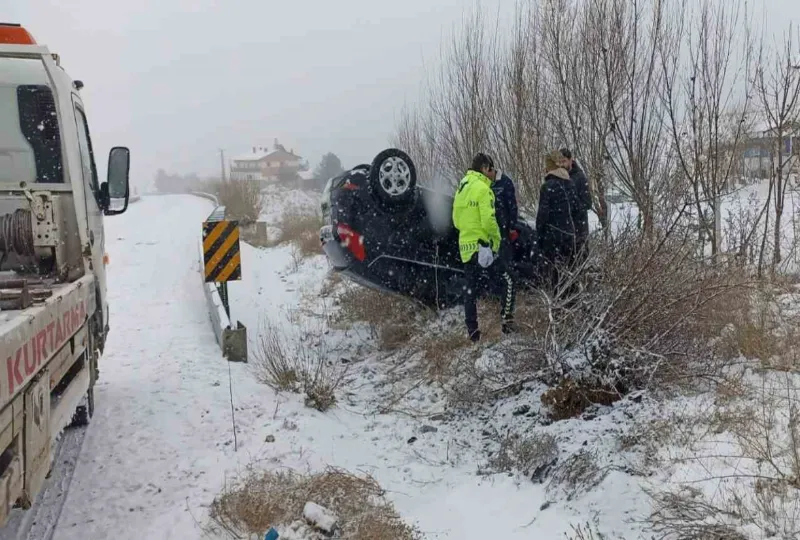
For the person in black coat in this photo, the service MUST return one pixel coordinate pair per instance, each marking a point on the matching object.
(506, 211)
(555, 220)
(581, 184)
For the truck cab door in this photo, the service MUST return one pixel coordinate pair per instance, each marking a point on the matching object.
(94, 212)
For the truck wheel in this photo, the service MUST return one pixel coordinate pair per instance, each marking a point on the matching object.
(393, 177)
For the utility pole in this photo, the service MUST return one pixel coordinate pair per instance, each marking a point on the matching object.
(222, 162)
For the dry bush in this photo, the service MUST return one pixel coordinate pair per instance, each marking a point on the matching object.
(646, 438)
(587, 531)
(750, 335)
(765, 327)
(274, 361)
(242, 199)
(687, 517)
(754, 488)
(641, 313)
(263, 499)
(578, 474)
(296, 366)
(301, 228)
(527, 455)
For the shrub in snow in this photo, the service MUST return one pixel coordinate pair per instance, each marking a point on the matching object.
(532, 456)
(332, 500)
(289, 363)
(242, 199)
(639, 311)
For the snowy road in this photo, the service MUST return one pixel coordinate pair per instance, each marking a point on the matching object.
(162, 416)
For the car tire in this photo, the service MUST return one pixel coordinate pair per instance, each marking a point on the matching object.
(393, 178)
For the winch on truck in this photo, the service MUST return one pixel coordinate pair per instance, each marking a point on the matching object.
(54, 317)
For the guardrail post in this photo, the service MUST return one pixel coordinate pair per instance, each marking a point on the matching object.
(223, 295)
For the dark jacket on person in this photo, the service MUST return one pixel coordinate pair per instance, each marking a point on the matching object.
(584, 197)
(505, 204)
(555, 219)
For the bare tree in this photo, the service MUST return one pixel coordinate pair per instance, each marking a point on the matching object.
(572, 41)
(416, 134)
(707, 96)
(640, 157)
(459, 96)
(777, 84)
(518, 126)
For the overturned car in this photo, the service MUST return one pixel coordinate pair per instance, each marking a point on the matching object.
(384, 231)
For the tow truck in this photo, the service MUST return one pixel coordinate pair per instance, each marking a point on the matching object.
(54, 313)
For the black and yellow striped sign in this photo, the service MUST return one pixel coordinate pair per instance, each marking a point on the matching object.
(221, 251)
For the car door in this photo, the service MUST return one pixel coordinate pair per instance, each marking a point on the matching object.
(94, 213)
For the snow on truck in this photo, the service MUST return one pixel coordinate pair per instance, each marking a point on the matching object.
(54, 316)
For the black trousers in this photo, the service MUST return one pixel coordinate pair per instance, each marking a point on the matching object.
(496, 279)
(558, 256)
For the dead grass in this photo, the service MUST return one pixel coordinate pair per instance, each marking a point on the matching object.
(749, 331)
(393, 320)
(264, 499)
(578, 474)
(440, 354)
(570, 398)
(586, 531)
(300, 227)
(331, 284)
(297, 366)
(527, 455)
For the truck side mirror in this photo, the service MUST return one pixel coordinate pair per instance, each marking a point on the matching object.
(116, 190)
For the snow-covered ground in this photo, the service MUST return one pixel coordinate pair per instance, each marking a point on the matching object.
(161, 446)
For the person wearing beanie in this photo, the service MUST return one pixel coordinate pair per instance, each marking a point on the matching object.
(555, 220)
(479, 242)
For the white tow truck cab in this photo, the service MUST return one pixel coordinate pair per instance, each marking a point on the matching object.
(54, 316)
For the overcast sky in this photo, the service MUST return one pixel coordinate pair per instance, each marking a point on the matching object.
(175, 80)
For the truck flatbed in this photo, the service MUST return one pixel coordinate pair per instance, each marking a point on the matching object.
(47, 316)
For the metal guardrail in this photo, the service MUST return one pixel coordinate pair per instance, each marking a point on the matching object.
(211, 197)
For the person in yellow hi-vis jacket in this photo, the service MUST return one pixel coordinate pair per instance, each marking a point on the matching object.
(479, 242)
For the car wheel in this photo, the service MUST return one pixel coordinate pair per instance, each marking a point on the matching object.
(393, 177)
(361, 169)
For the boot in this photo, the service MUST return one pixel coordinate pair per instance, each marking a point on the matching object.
(475, 336)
